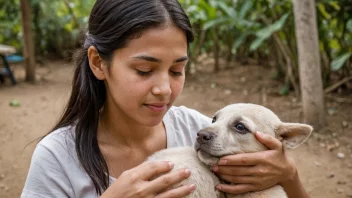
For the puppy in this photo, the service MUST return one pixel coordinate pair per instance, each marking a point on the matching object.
(232, 131)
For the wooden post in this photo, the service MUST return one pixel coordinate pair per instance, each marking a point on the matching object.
(309, 62)
(28, 48)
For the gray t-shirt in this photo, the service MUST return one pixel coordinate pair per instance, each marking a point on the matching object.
(55, 170)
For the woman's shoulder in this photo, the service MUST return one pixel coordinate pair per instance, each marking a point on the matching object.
(63, 136)
(58, 149)
(55, 170)
(60, 144)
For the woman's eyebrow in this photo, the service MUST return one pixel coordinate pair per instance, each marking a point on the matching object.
(156, 60)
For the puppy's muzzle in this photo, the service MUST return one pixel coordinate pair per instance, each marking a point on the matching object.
(204, 136)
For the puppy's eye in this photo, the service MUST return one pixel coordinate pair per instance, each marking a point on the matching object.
(214, 119)
(241, 128)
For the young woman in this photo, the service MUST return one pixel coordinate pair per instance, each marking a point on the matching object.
(120, 111)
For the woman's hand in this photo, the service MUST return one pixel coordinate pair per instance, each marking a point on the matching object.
(137, 182)
(256, 171)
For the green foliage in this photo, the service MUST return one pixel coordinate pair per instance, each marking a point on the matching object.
(10, 25)
(340, 61)
(268, 31)
(15, 103)
(246, 28)
(236, 28)
(56, 23)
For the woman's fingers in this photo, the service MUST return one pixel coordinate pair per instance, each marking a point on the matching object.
(239, 179)
(165, 181)
(270, 142)
(177, 192)
(149, 170)
(242, 159)
(235, 189)
(234, 170)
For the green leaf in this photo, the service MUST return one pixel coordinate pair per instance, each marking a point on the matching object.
(285, 90)
(15, 103)
(239, 41)
(349, 25)
(215, 22)
(278, 25)
(229, 11)
(211, 12)
(323, 11)
(245, 8)
(256, 43)
(266, 32)
(340, 61)
(335, 5)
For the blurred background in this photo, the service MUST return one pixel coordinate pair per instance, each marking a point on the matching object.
(258, 51)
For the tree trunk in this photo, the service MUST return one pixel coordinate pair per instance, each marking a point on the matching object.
(216, 50)
(309, 62)
(37, 30)
(28, 48)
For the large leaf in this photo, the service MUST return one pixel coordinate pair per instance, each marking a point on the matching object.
(340, 61)
(256, 43)
(334, 4)
(266, 32)
(321, 8)
(239, 41)
(349, 25)
(211, 11)
(228, 10)
(215, 22)
(245, 8)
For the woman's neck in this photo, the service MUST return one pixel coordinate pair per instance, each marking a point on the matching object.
(117, 130)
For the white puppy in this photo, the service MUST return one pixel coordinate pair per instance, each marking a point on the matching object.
(232, 132)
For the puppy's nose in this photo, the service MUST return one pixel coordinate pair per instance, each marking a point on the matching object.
(204, 137)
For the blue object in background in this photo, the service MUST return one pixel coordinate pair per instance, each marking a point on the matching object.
(14, 58)
(6, 71)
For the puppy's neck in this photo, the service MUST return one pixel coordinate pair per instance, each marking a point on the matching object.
(207, 159)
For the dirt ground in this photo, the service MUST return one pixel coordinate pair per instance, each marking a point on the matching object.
(324, 161)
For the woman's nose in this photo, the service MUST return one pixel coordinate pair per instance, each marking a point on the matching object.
(162, 87)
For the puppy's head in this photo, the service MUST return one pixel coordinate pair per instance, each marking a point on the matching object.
(233, 131)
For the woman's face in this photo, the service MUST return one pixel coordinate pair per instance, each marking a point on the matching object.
(147, 75)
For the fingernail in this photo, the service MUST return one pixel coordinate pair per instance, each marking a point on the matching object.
(260, 133)
(222, 162)
(218, 187)
(187, 171)
(171, 164)
(215, 168)
(192, 187)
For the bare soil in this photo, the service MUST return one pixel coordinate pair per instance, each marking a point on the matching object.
(324, 174)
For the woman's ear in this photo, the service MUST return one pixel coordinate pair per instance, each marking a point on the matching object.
(96, 64)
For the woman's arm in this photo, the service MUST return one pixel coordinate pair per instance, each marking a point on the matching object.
(294, 188)
(260, 170)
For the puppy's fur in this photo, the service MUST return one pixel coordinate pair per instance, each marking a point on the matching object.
(232, 132)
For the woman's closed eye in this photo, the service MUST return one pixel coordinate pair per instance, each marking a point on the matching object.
(143, 73)
(146, 73)
(177, 70)
(176, 73)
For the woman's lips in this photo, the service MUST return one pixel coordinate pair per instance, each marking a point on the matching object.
(157, 107)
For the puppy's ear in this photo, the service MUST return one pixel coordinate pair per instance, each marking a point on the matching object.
(293, 134)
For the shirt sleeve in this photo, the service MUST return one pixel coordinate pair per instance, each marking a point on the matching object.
(46, 177)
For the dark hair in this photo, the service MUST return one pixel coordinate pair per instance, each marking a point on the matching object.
(112, 24)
